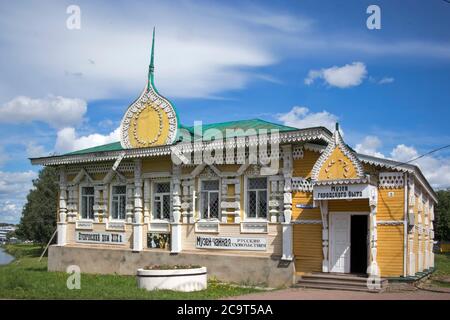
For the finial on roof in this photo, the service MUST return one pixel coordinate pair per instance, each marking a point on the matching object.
(337, 126)
(151, 68)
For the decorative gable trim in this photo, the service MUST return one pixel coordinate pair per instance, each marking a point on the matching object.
(80, 176)
(159, 103)
(337, 142)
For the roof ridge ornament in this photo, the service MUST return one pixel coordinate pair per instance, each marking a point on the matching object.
(151, 67)
(338, 142)
(151, 120)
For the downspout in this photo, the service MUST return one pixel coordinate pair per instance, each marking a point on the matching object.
(405, 225)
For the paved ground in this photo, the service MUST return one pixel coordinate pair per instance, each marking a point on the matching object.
(316, 294)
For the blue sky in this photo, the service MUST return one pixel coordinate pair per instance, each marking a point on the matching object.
(301, 63)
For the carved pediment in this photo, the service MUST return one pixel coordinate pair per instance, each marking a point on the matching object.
(337, 162)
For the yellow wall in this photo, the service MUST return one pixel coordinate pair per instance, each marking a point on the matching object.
(303, 167)
(308, 247)
(391, 204)
(390, 250)
(160, 164)
(300, 197)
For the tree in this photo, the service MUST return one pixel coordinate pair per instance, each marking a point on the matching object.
(442, 216)
(38, 221)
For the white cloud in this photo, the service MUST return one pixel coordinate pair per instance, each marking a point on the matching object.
(369, 146)
(35, 150)
(54, 110)
(404, 153)
(14, 186)
(67, 140)
(301, 117)
(435, 169)
(386, 80)
(201, 50)
(346, 76)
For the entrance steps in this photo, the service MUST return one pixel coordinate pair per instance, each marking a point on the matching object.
(338, 281)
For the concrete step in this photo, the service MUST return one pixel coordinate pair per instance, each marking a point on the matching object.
(338, 281)
(337, 287)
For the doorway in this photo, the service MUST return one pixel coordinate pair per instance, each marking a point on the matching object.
(358, 244)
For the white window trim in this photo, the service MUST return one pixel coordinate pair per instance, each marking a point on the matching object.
(246, 218)
(111, 185)
(80, 200)
(152, 201)
(199, 195)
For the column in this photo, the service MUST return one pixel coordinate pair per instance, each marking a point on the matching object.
(324, 214)
(287, 203)
(62, 223)
(373, 269)
(105, 205)
(137, 221)
(147, 200)
(130, 206)
(411, 223)
(224, 195)
(176, 204)
(97, 205)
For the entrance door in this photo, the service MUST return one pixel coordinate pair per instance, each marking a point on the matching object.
(340, 242)
(358, 243)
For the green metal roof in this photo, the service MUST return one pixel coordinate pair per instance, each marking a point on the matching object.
(115, 146)
(245, 125)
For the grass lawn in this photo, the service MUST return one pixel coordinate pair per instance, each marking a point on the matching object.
(442, 263)
(27, 278)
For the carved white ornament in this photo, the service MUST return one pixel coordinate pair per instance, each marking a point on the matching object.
(391, 180)
(148, 98)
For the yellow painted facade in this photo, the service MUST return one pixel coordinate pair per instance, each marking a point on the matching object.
(308, 247)
(338, 166)
(303, 167)
(304, 198)
(391, 204)
(390, 250)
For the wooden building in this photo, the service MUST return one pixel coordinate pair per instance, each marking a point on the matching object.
(256, 202)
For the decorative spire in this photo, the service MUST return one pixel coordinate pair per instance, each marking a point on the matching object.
(337, 126)
(151, 68)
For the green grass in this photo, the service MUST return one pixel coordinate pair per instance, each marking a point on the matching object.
(442, 263)
(27, 278)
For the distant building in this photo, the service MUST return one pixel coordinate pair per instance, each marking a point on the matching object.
(4, 231)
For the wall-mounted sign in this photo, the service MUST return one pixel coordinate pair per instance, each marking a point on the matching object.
(100, 237)
(351, 191)
(158, 240)
(232, 243)
(304, 206)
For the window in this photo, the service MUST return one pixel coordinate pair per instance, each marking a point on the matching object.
(209, 205)
(257, 198)
(87, 203)
(118, 204)
(161, 201)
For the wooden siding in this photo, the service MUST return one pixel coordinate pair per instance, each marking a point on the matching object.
(308, 247)
(390, 250)
(300, 197)
(303, 167)
(391, 204)
(358, 205)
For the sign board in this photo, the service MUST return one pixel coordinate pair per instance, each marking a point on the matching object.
(232, 243)
(100, 237)
(335, 192)
(158, 240)
(304, 206)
